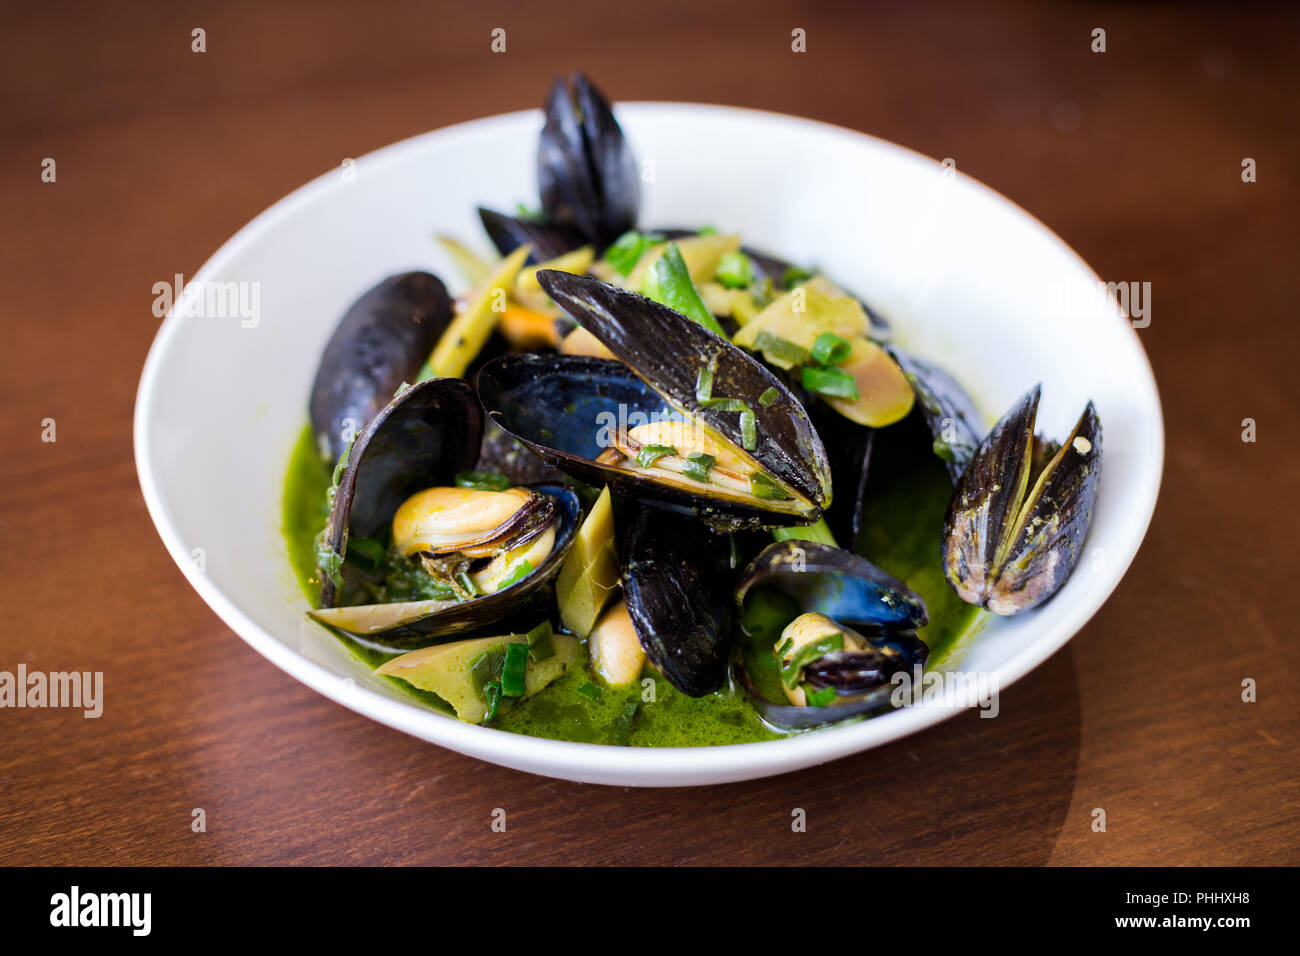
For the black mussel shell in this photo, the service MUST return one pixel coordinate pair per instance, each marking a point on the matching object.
(549, 241)
(676, 581)
(587, 176)
(667, 351)
(565, 409)
(504, 454)
(947, 409)
(848, 446)
(844, 586)
(526, 601)
(381, 342)
(418, 440)
(1016, 524)
(863, 681)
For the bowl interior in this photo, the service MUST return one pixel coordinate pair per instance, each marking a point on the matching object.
(966, 278)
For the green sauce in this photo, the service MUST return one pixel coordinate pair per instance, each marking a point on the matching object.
(903, 525)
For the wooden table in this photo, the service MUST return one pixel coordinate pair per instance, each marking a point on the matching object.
(1133, 155)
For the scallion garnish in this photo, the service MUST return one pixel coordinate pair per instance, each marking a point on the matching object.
(791, 670)
(649, 454)
(514, 669)
(768, 397)
(761, 486)
(482, 480)
(784, 648)
(735, 271)
(669, 283)
(623, 723)
(468, 584)
(591, 691)
(698, 465)
(628, 249)
(704, 384)
(829, 381)
(779, 349)
(830, 349)
(748, 430)
(818, 698)
(518, 571)
(492, 693)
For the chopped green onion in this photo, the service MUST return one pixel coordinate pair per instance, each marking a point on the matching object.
(726, 404)
(518, 571)
(492, 692)
(829, 381)
(818, 532)
(761, 486)
(735, 271)
(748, 430)
(830, 349)
(794, 275)
(818, 698)
(649, 454)
(485, 668)
(623, 723)
(540, 646)
(366, 553)
(468, 584)
(775, 347)
(707, 231)
(628, 249)
(807, 654)
(329, 561)
(698, 465)
(769, 396)
(591, 691)
(669, 283)
(514, 669)
(704, 384)
(482, 480)
(784, 648)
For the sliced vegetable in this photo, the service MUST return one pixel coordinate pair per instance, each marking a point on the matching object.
(578, 262)
(469, 330)
(474, 267)
(830, 349)
(649, 454)
(518, 571)
(526, 328)
(884, 395)
(628, 249)
(590, 572)
(701, 253)
(800, 316)
(698, 465)
(829, 381)
(514, 669)
(735, 270)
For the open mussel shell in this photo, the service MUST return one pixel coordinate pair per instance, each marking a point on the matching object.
(864, 680)
(667, 351)
(844, 586)
(381, 342)
(1017, 521)
(948, 410)
(676, 582)
(420, 439)
(413, 624)
(587, 175)
(508, 233)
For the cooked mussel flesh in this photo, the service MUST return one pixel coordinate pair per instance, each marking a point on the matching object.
(1015, 528)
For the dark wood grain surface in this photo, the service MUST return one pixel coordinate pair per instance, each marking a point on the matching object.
(1133, 156)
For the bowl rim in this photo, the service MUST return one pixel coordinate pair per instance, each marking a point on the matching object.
(587, 762)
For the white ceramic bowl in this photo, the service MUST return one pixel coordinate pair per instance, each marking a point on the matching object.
(966, 277)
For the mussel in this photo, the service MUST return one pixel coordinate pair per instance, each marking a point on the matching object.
(468, 556)
(1015, 528)
(948, 410)
(586, 173)
(743, 455)
(381, 342)
(508, 233)
(826, 630)
(676, 584)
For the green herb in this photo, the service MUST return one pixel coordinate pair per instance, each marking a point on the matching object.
(468, 584)
(628, 249)
(649, 454)
(669, 283)
(768, 397)
(791, 670)
(328, 561)
(704, 383)
(761, 486)
(698, 465)
(818, 698)
(795, 275)
(748, 430)
(623, 723)
(818, 532)
(777, 348)
(829, 381)
(726, 404)
(518, 571)
(735, 270)
(540, 646)
(492, 692)
(830, 349)
(591, 691)
(482, 480)
(707, 231)
(784, 648)
(366, 553)
(514, 669)
(486, 668)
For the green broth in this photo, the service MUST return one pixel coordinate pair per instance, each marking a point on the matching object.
(902, 525)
